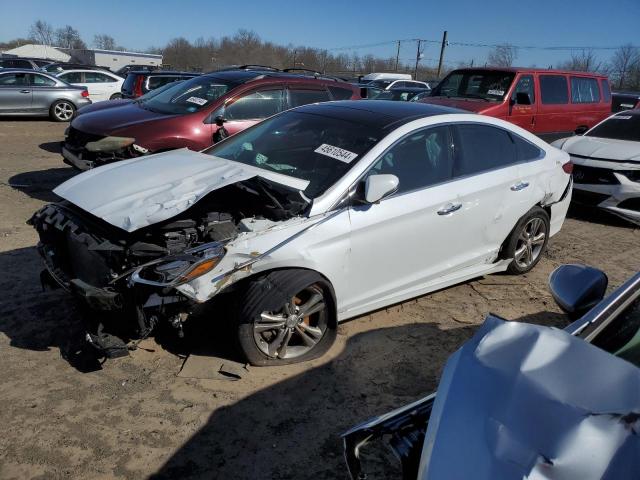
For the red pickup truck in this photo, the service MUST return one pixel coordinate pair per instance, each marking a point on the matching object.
(550, 103)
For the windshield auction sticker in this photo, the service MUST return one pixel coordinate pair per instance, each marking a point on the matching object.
(496, 92)
(198, 100)
(334, 152)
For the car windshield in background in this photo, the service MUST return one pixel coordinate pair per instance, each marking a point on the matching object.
(189, 96)
(623, 126)
(311, 147)
(487, 85)
(381, 83)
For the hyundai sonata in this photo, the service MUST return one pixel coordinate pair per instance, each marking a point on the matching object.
(314, 216)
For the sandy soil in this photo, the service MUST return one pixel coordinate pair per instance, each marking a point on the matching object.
(135, 418)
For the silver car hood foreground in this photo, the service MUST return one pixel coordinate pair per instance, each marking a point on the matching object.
(521, 401)
(135, 193)
(606, 148)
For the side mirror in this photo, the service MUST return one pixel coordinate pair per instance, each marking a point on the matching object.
(581, 130)
(523, 98)
(219, 120)
(577, 288)
(379, 186)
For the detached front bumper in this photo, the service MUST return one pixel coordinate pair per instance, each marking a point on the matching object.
(621, 199)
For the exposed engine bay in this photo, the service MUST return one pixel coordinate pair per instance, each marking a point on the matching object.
(95, 260)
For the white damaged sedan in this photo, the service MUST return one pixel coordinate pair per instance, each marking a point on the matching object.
(607, 165)
(314, 216)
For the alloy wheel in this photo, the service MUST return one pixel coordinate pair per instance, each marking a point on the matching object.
(63, 111)
(294, 329)
(530, 242)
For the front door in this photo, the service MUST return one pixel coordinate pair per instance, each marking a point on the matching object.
(15, 93)
(522, 113)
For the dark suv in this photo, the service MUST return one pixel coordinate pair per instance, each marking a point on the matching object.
(24, 62)
(191, 112)
(139, 82)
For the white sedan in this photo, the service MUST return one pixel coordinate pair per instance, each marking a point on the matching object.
(102, 85)
(607, 165)
(316, 215)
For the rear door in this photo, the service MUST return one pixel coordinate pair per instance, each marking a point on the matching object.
(101, 86)
(44, 89)
(15, 92)
(520, 112)
(251, 107)
(586, 102)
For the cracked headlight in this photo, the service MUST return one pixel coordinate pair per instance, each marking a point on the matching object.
(182, 268)
(110, 144)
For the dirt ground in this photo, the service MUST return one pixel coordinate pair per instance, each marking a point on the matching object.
(63, 417)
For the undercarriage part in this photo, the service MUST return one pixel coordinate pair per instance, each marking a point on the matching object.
(109, 345)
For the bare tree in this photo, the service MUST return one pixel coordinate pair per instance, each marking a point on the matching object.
(104, 42)
(625, 63)
(69, 37)
(502, 55)
(41, 32)
(585, 61)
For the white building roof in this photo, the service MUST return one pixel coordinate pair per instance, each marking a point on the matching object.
(39, 51)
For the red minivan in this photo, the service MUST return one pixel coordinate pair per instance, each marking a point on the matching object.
(550, 103)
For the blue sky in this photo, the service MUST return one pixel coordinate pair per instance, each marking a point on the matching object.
(329, 24)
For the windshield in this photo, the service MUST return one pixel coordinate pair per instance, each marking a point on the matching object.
(311, 147)
(622, 126)
(189, 96)
(490, 85)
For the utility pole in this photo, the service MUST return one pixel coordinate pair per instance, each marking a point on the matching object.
(324, 62)
(398, 55)
(442, 47)
(295, 53)
(415, 71)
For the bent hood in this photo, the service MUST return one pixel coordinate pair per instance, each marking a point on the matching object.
(103, 120)
(603, 148)
(142, 191)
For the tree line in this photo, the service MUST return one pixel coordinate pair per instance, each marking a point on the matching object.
(246, 47)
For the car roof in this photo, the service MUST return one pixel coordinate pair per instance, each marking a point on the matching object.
(162, 72)
(530, 70)
(25, 70)
(383, 114)
(91, 70)
(242, 75)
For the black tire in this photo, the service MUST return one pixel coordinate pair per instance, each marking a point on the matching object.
(527, 235)
(62, 111)
(270, 296)
(115, 96)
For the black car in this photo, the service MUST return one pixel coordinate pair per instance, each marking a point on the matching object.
(528, 401)
(24, 62)
(124, 71)
(624, 101)
(139, 82)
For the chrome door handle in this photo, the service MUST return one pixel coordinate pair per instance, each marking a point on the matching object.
(25, 91)
(449, 208)
(519, 186)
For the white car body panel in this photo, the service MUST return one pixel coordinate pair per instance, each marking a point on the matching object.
(415, 83)
(372, 255)
(98, 91)
(611, 154)
(166, 184)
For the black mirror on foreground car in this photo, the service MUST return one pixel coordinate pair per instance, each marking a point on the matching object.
(581, 130)
(523, 98)
(577, 288)
(219, 120)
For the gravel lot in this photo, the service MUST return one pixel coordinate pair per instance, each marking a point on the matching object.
(65, 417)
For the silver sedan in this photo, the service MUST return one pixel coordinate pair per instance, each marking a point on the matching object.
(26, 92)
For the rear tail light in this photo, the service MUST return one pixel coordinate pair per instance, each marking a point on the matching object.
(85, 93)
(137, 87)
(568, 167)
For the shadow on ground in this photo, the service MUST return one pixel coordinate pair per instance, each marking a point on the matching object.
(51, 147)
(40, 183)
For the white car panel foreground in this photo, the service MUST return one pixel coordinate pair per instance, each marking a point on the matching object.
(311, 217)
(607, 165)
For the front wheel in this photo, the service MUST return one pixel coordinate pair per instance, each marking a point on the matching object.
(62, 111)
(287, 316)
(528, 241)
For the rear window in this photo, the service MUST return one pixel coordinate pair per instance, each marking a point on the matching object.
(622, 126)
(340, 93)
(553, 89)
(157, 81)
(299, 97)
(606, 90)
(584, 90)
(129, 82)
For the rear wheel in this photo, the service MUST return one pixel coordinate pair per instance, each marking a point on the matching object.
(528, 241)
(287, 316)
(62, 111)
(115, 96)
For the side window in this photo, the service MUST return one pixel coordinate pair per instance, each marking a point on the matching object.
(420, 160)
(606, 91)
(72, 77)
(299, 97)
(527, 151)
(97, 77)
(482, 147)
(21, 64)
(584, 90)
(42, 81)
(256, 105)
(12, 79)
(525, 85)
(553, 89)
(155, 81)
(340, 93)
